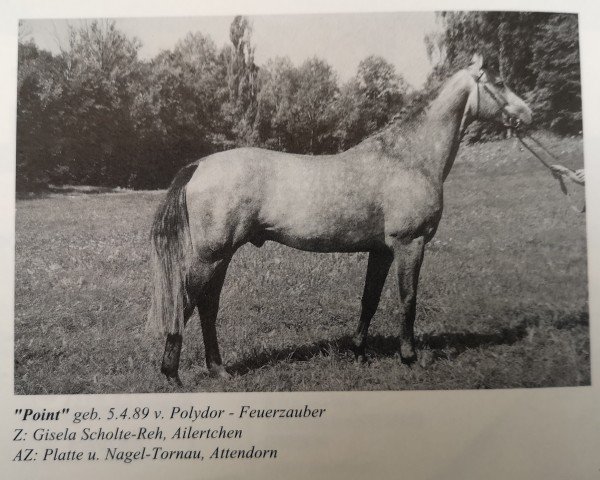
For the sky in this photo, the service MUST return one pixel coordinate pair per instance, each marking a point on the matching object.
(343, 40)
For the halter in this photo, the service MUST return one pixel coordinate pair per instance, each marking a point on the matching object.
(497, 97)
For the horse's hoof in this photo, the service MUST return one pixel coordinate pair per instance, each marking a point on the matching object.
(408, 361)
(408, 356)
(360, 355)
(219, 372)
(174, 379)
(359, 350)
(172, 375)
(360, 358)
(426, 358)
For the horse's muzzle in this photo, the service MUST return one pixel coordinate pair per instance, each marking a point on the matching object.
(512, 122)
(517, 117)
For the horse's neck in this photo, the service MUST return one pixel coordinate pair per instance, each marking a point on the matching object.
(439, 134)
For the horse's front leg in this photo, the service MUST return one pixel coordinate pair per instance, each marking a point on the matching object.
(377, 270)
(408, 257)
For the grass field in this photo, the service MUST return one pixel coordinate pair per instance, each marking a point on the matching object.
(502, 299)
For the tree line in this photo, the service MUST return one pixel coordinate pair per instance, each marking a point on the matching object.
(98, 114)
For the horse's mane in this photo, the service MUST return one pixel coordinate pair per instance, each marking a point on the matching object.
(391, 138)
(386, 138)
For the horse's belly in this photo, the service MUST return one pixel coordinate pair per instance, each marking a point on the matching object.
(323, 244)
(318, 236)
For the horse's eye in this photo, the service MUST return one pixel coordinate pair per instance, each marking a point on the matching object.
(499, 83)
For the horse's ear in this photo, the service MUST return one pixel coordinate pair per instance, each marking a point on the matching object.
(476, 62)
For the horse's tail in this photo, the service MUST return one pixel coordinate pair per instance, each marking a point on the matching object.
(171, 256)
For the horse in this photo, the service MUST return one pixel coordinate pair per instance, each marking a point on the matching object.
(383, 196)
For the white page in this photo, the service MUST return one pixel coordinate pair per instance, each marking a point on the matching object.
(459, 433)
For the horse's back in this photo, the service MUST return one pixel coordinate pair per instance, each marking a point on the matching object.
(322, 203)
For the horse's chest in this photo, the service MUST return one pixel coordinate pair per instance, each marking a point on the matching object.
(414, 210)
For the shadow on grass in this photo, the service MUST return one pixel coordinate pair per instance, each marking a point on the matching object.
(442, 345)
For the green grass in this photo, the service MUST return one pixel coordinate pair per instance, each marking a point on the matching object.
(502, 300)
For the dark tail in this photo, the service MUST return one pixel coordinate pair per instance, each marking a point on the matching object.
(171, 256)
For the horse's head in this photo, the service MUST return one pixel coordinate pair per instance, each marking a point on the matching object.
(491, 99)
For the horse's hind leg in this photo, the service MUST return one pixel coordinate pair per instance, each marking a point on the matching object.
(170, 361)
(377, 270)
(208, 307)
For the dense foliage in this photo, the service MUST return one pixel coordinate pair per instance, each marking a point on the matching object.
(98, 114)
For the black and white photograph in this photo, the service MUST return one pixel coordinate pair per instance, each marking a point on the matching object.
(301, 202)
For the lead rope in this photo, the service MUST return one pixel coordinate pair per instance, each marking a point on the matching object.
(553, 172)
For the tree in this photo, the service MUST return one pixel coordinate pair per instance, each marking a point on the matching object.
(312, 116)
(381, 90)
(296, 106)
(242, 80)
(178, 111)
(369, 101)
(279, 84)
(351, 125)
(557, 91)
(100, 75)
(39, 87)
